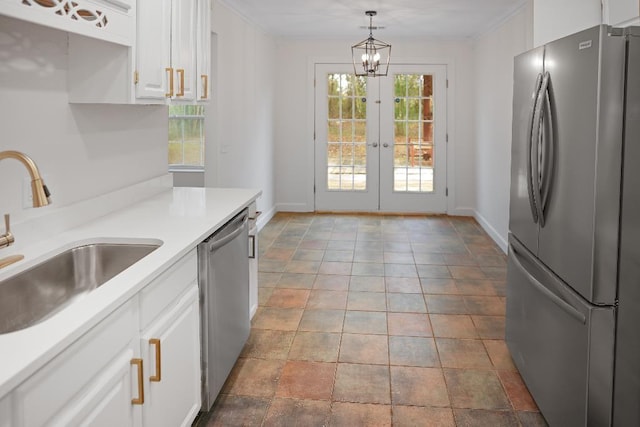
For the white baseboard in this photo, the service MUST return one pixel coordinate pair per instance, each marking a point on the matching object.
(491, 231)
(293, 207)
(265, 217)
(462, 212)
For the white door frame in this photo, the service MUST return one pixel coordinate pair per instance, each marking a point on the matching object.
(451, 96)
(414, 202)
(366, 199)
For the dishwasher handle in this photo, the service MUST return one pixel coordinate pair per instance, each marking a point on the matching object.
(216, 244)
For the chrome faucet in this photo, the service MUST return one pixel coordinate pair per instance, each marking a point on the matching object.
(40, 194)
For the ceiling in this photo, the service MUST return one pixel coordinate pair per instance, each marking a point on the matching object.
(333, 19)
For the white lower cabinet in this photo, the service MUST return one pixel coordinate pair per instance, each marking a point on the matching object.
(171, 350)
(90, 383)
(129, 370)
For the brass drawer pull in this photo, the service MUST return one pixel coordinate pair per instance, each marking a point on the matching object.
(140, 399)
(180, 72)
(205, 84)
(158, 376)
(170, 71)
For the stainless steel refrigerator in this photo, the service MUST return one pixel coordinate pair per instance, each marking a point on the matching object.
(573, 278)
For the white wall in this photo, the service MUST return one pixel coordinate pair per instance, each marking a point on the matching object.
(553, 19)
(494, 53)
(294, 117)
(241, 128)
(621, 13)
(83, 150)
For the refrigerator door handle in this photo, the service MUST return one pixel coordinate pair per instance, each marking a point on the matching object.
(535, 149)
(530, 188)
(564, 305)
(548, 150)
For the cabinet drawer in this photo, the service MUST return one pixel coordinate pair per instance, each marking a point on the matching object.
(166, 289)
(68, 377)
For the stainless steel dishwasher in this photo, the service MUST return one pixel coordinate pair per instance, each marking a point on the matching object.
(223, 278)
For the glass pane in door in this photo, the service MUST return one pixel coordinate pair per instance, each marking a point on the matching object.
(413, 161)
(346, 133)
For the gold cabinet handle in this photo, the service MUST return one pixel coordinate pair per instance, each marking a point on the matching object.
(140, 399)
(170, 71)
(180, 72)
(158, 376)
(205, 84)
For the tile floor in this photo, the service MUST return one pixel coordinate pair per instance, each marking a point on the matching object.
(376, 321)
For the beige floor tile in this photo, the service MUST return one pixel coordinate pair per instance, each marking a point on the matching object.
(359, 414)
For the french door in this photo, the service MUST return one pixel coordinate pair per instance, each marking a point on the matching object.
(380, 143)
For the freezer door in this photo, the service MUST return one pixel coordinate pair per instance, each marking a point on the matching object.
(579, 238)
(627, 377)
(561, 344)
(522, 213)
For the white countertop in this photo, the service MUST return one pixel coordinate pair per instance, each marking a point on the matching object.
(179, 217)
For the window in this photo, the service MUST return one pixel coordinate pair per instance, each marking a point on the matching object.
(186, 137)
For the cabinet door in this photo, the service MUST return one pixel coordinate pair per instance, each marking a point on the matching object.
(183, 48)
(153, 55)
(171, 352)
(92, 382)
(203, 49)
(107, 402)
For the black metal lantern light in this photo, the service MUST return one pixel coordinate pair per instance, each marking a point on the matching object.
(371, 57)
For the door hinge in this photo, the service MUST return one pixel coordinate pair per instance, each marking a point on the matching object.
(314, 189)
(447, 83)
(446, 192)
(447, 137)
(136, 77)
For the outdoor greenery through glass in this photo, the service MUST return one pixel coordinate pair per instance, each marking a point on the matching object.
(413, 152)
(346, 132)
(186, 136)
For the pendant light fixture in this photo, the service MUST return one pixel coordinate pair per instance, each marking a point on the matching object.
(370, 56)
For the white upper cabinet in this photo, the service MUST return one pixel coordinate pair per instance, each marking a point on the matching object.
(165, 65)
(153, 49)
(109, 20)
(183, 48)
(166, 59)
(203, 48)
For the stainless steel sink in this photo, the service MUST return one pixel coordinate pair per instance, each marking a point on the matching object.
(35, 294)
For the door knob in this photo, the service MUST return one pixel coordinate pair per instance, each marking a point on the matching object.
(385, 145)
(373, 144)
